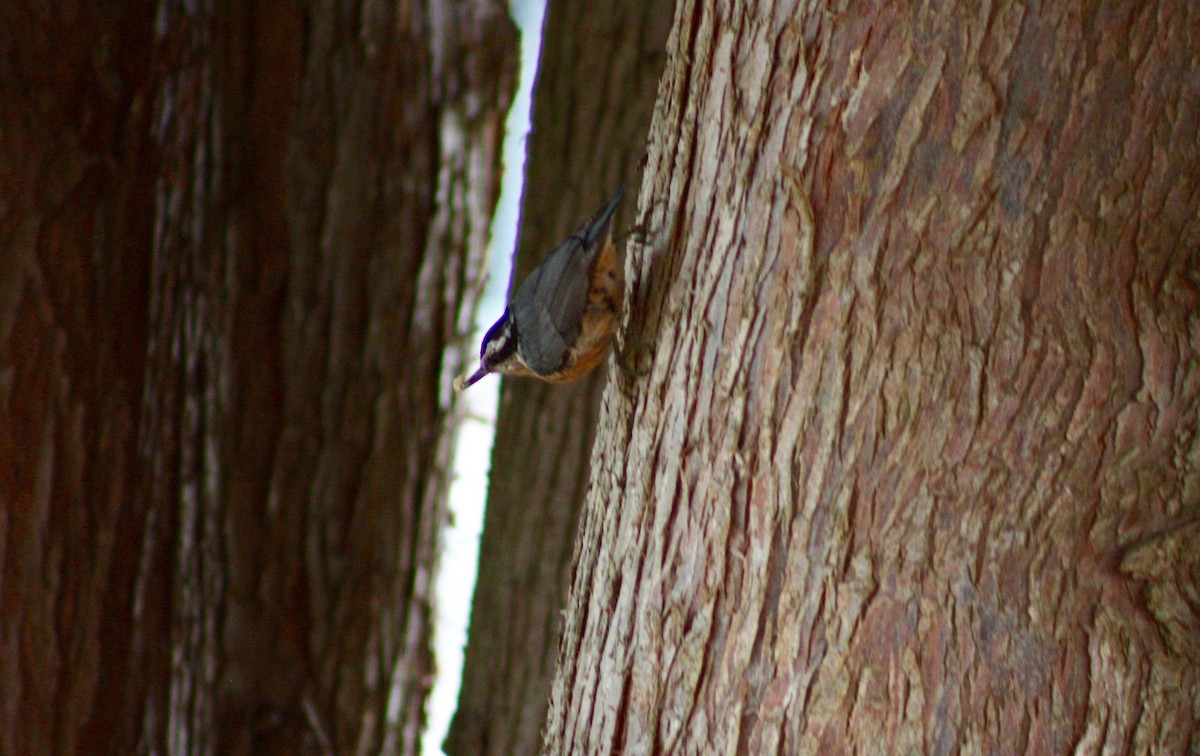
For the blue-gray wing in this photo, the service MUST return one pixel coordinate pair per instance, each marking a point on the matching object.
(548, 308)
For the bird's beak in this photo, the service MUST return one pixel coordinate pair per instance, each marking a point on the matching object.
(462, 382)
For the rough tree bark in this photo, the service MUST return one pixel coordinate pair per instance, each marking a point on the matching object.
(911, 464)
(592, 102)
(239, 245)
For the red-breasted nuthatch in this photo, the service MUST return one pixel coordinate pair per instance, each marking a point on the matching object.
(564, 315)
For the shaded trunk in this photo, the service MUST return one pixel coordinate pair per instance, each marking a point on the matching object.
(908, 460)
(241, 244)
(593, 98)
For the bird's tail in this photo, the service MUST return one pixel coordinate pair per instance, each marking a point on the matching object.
(594, 230)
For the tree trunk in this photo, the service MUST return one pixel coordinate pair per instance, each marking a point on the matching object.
(593, 98)
(241, 242)
(908, 461)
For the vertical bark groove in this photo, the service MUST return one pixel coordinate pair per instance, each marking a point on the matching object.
(240, 246)
(912, 394)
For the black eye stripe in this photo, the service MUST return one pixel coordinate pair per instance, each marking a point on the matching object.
(506, 350)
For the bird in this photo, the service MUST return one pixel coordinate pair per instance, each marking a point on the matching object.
(563, 317)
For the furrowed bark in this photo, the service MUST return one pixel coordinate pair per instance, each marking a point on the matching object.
(911, 463)
(241, 244)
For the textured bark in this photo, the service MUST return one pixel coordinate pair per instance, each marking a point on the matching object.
(911, 463)
(593, 98)
(241, 242)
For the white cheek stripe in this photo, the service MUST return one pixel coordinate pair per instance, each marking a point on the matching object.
(495, 345)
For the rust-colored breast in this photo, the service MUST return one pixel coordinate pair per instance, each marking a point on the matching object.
(580, 365)
(599, 318)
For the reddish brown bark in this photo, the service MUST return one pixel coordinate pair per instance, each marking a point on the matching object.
(911, 463)
(241, 241)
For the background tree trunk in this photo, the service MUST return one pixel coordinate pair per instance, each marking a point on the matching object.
(592, 101)
(240, 244)
(913, 463)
